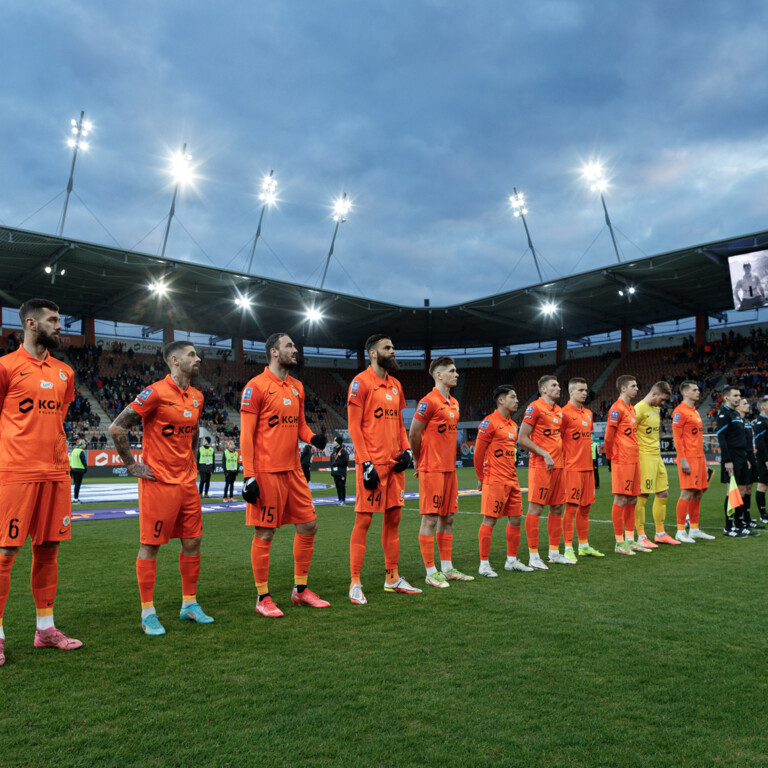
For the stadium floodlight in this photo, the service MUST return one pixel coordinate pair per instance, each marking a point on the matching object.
(80, 129)
(549, 308)
(595, 176)
(181, 170)
(243, 302)
(341, 207)
(48, 270)
(268, 197)
(631, 289)
(517, 201)
(159, 288)
(314, 315)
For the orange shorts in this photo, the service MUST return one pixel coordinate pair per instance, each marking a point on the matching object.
(438, 493)
(625, 479)
(284, 499)
(40, 510)
(501, 501)
(168, 511)
(389, 493)
(546, 487)
(580, 487)
(697, 479)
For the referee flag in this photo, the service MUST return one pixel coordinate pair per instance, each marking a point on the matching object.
(734, 497)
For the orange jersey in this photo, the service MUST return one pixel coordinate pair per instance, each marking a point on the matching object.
(577, 438)
(438, 440)
(34, 397)
(375, 415)
(273, 421)
(169, 417)
(621, 434)
(546, 421)
(495, 452)
(687, 432)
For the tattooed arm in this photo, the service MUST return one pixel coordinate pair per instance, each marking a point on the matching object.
(118, 431)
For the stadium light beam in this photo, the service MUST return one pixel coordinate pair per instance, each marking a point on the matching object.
(314, 315)
(517, 201)
(341, 207)
(182, 173)
(268, 197)
(595, 177)
(80, 129)
(549, 308)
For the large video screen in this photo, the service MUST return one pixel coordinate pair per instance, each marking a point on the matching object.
(749, 280)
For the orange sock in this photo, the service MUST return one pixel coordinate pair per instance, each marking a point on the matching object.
(683, 508)
(45, 578)
(445, 545)
(532, 532)
(582, 524)
(427, 547)
(513, 540)
(189, 568)
(617, 516)
(569, 516)
(146, 574)
(390, 541)
(303, 547)
(260, 564)
(694, 512)
(554, 529)
(357, 545)
(6, 563)
(484, 536)
(629, 522)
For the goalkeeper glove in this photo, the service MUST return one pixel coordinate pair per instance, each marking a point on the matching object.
(370, 476)
(319, 441)
(403, 461)
(250, 490)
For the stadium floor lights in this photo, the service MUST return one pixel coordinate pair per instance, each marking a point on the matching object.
(80, 129)
(268, 197)
(341, 207)
(594, 173)
(181, 170)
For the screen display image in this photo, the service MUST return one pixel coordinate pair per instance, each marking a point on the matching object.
(749, 280)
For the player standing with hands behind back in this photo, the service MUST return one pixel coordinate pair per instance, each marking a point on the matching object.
(35, 393)
(375, 414)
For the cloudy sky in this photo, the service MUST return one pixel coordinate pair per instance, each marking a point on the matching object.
(426, 112)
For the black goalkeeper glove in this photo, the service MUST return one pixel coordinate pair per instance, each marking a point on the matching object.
(319, 441)
(251, 491)
(404, 460)
(370, 476)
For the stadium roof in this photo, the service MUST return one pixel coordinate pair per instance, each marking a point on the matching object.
(112, 284)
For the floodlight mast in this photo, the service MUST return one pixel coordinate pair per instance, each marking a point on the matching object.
(80, 129)
(341, 208)
(182, 158)
(594, 173)
(518, 206)
(268, 192)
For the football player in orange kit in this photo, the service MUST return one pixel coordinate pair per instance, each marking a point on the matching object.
(540, 434)
(169, 505)
(622, 449)
(35, 393)
(375, 415)
(274, 487)
(495, 466)
(579, 470)
(433, 436)
(688, 435)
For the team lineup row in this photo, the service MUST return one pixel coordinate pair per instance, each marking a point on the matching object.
(36, 389)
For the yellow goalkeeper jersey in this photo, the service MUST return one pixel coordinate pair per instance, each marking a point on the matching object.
(648, 428)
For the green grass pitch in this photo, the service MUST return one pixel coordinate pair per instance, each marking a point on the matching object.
(654, 660)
